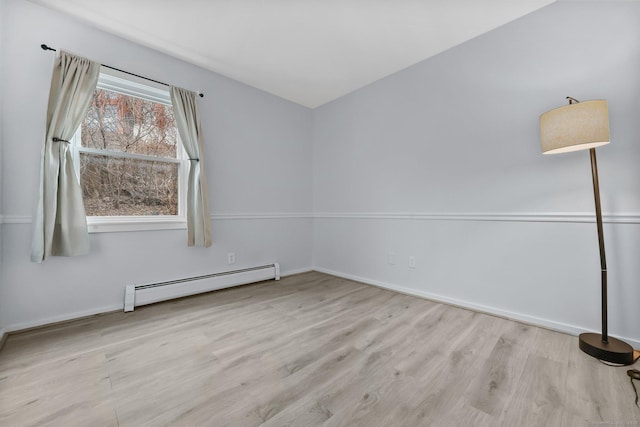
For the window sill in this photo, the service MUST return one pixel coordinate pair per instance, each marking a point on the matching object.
(111, 224)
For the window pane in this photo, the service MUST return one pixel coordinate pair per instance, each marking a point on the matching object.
(120, 187)
(124, 123)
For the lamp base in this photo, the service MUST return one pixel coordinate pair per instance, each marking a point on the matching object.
(612, 351)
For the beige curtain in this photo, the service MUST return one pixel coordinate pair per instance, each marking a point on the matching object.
(188, 122)
(60, 223)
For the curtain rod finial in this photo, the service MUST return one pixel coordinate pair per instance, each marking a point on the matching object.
(201, 95)
(45, 47)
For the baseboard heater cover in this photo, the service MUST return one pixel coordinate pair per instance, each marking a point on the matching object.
(137, 295)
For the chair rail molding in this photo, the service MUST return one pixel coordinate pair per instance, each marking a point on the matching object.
(262, 215)
(580, 217)
(15, 219)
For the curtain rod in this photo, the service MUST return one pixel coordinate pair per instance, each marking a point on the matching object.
(45, 47)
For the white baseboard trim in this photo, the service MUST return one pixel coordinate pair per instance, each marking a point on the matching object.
(523, 318)
(3, 337)
(19, 327)
(296, 271)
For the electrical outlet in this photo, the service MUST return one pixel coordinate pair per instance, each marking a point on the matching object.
(412, 261)
(231, 258)
(391, 258)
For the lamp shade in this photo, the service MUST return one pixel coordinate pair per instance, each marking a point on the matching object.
(578, 126)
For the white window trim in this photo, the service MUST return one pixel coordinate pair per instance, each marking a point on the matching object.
(119, 82)
(117, 224)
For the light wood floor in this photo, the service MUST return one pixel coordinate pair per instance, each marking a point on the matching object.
(310, 350)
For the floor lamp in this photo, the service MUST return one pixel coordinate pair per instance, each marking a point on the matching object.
(582, 126)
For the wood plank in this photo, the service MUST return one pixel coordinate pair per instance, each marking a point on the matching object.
(310, 350)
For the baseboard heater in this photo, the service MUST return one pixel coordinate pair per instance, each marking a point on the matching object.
(137, 295)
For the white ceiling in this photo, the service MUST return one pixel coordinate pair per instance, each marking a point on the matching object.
(307, 51)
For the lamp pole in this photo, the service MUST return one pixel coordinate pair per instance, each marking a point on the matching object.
(603, 258)
(601, 346)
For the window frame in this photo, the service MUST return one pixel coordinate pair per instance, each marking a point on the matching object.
(122, 83)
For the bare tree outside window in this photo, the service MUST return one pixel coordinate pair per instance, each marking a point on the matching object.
(128, 164)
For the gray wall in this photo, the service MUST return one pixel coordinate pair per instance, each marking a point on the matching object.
(442, 162)
(2, 80)
(258, 151)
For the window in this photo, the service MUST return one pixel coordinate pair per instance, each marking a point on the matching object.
(129, 158)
